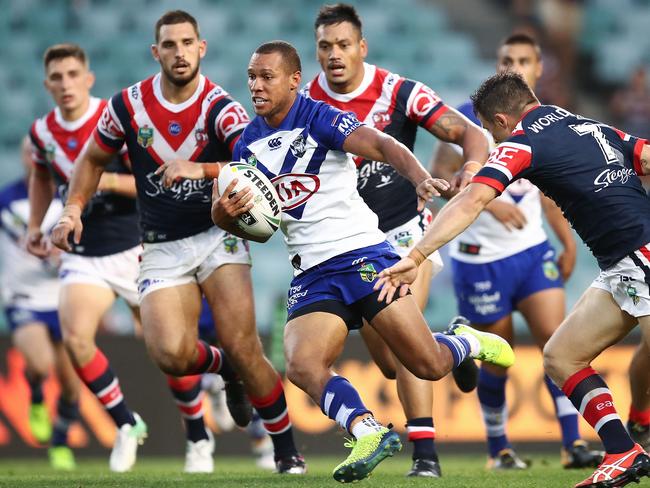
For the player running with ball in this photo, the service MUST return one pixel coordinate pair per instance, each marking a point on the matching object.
(337, 250)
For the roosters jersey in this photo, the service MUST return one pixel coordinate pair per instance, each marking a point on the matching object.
(204, 128)
(110, 220)
(588, 168)
(395, 106)
(26, 281)
(322, 213)
(487, 239)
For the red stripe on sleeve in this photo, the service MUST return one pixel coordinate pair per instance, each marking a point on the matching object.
(105, 147)
(436, 115)
(496, 184)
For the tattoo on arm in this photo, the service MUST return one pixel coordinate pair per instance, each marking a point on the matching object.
(450, 127)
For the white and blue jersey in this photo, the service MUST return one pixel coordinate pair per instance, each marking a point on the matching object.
(322, 213)
(29, 285)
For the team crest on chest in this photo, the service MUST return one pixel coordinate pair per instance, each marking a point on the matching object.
(145, 136)
(50, 151)
(201, 137)
(298, 146)
(252, 160)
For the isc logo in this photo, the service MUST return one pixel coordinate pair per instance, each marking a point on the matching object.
(275, 143)
(295, 189)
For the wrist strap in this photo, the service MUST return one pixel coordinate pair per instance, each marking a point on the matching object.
(417, 256)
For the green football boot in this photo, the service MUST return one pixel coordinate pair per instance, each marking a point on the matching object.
(366, 454)
(493, 349)
(61, 458)
(40, 423)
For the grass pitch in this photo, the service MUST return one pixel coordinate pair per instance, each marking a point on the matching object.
(458, 471)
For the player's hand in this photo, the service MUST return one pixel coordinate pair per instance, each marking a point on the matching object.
(508, 214)
(70, 221)
(429, 188)
(566, 262)
(173, 171)
(36, 243)
(464, 176)
(228, 207)
(397, 278)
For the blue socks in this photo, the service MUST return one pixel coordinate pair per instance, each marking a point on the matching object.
(341, 402)
(492, 396)
(565, 412)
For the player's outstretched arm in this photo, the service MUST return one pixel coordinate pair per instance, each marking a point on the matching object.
(173, 171)
(452, 126)
(83, 184)
(567, 259)
(453, 219)
(41, 193)
(372, 144)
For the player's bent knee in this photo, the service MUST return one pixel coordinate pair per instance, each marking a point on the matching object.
(427, 370)
(79, 346)
(388, 372)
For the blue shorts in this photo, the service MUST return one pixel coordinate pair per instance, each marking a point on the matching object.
(340, 285)
(489, 291)
(17, 317)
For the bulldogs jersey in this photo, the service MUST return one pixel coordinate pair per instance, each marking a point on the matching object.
(204, 128)
(110, 220)
(322, 213)
(395, 106)
(487, 239)
(26, 281)
(588, 168)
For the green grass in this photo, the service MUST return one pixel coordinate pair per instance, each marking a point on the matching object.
(458, 471)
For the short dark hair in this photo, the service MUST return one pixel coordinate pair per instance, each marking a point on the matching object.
(175, 17)
(522, 38)
(68, 50)
(502, 93)
(289, 54)
(335, 14)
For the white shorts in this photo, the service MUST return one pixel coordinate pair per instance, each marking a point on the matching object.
(189, 260)
(627, 281)
(406, 236)
(118, 272)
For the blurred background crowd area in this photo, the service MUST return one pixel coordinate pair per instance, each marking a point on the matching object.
(596, 55)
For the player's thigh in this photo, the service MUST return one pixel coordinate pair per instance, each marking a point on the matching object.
(595, 323)
(170, 319)
(544, 312)
(402, 327)
(81, 307)
(67, 376)
(229, 292)
(644, 325)
(421, 285)
(34, 343)
(312, 342)
(379, 351)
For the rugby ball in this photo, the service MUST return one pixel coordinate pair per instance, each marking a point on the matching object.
(261, 221)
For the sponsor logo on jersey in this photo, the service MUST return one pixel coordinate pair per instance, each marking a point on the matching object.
(298, 147)
(72, 143)
(368, 272)
(144, 284)
(346, 123)
(425, 100)
(174, 128)
(359, 261)
(145, 136)
(230, 244)
(631, 292)
(381, 120)
(183, 190)
(539, 125)
(610, 176)
(550, 270)
(295, 294)
(252, 160)
(485, 303)
(295, 189)
(275, 143)
(201, 137)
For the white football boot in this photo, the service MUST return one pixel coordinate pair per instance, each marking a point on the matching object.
(128, 438)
